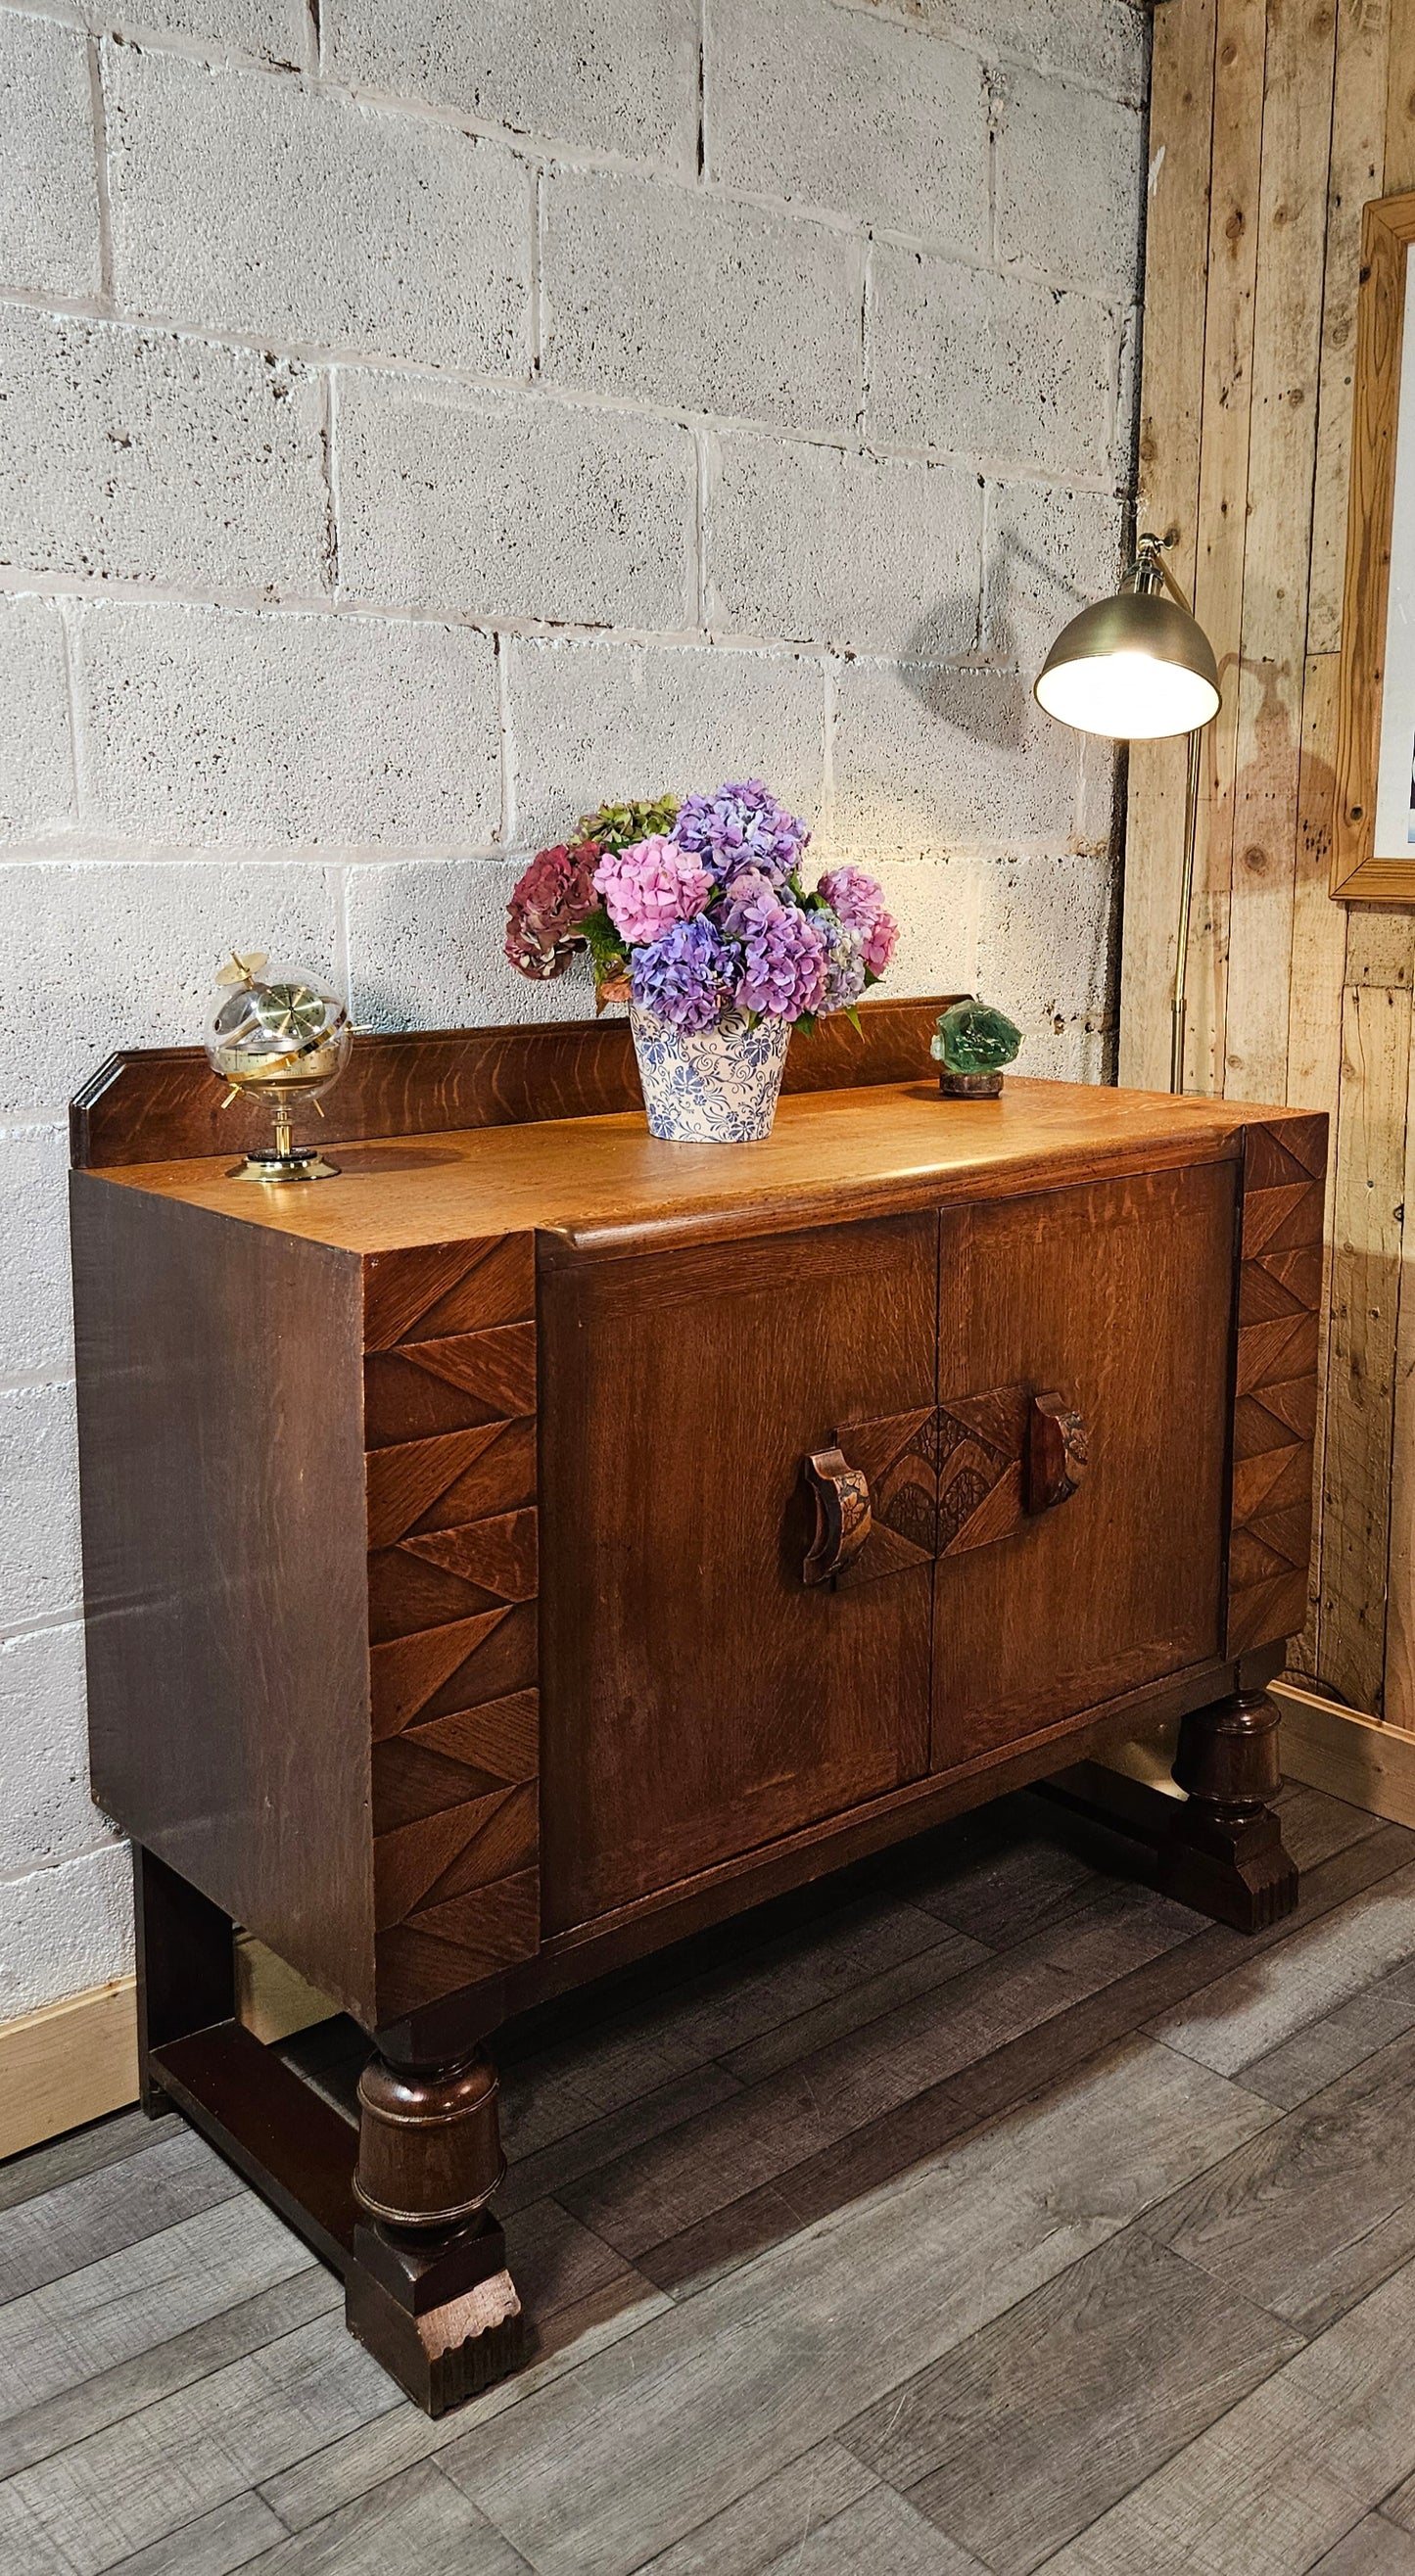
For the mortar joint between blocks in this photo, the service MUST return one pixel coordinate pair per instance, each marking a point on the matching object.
(100, 173)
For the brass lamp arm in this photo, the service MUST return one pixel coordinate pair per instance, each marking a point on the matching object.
(1149, 571)
(1149, 561)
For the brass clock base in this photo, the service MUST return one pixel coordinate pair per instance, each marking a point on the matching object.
(302, 1163)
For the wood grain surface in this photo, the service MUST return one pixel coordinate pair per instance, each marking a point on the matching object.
(1275, 1385)
(607, 1185)
(161, 1103)
(1171, 409)
(1286, 228)
(698, 1699)
(1058, 2398)
(1118, 1295)
(225, 1578)
(710, 1728)
(203, 2409)
(1272, 128)
(1387, 231)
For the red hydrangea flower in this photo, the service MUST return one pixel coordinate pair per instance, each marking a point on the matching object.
(548, 905)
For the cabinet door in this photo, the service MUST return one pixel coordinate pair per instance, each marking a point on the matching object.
(697, 1699)
(1119, 1297)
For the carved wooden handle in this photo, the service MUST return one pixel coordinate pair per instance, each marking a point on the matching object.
(1056, 1452)
(842, 1500)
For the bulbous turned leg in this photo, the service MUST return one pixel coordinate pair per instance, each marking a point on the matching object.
(428, 2290)
(1225, 1853)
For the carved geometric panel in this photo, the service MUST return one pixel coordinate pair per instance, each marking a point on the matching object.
(1275, 1384)
(898, 1455)
(942, 1479)
(981, 1439)
(450, 1396)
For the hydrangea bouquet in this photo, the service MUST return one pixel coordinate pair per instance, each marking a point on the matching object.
(694, 913)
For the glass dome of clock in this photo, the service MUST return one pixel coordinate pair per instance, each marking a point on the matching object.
(275, 1028)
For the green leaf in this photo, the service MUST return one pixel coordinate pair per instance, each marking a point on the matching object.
(604, 944)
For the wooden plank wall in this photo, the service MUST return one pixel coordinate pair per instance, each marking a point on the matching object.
(1273, 122)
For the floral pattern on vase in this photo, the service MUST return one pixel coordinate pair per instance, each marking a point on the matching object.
(713, 1086)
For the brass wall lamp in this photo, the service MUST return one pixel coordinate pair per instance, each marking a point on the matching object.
(1137, 667)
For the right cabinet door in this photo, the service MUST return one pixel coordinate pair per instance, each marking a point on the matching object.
(1118, 1297)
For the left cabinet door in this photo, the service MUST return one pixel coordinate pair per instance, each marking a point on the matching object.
(698, 1699)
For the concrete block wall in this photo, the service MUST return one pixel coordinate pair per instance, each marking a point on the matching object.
(417, 421)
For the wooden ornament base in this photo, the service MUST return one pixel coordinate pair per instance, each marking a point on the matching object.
(970, 1086)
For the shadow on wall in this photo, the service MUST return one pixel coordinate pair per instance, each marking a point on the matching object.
(1000, 718)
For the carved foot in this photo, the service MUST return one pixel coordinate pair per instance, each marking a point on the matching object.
(1224, 1855)
(428, 2290)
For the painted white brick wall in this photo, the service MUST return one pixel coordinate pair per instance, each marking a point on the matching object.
(417, 421)
(48, 167)
(148, 456)
(484, 505)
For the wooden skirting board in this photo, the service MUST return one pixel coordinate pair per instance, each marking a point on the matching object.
(1350, 1756)
(68, 2063)
(76, 2060)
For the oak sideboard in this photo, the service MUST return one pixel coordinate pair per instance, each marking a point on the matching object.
(539, 1543)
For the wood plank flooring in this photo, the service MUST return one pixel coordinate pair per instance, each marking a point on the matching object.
(977, 2213)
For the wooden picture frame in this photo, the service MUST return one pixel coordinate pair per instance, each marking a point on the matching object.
(1373, 838)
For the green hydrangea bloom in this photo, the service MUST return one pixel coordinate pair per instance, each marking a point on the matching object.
(618, 827)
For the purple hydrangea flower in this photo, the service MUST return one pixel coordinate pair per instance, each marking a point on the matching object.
(856, 900)
(687, 976)
(749, 903)
(844, 962)
(649, 886)
(742, 826)
(783, 951)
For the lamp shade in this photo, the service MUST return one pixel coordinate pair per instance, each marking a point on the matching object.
(1135, 666)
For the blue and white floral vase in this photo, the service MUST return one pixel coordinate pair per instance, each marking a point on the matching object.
(713, 1086)
(694, 911)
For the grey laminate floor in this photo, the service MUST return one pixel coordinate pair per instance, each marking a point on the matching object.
(978, 2212)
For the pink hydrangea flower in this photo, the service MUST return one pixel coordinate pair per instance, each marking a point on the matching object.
(855, 899)
(649, 886)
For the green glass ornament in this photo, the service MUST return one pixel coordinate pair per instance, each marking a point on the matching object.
(973, 1043)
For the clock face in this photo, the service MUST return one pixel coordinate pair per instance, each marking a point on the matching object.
(275, 1026)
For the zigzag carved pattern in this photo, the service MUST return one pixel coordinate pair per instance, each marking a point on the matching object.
(942, 1479)
(449, 1408)
(1275, 1383)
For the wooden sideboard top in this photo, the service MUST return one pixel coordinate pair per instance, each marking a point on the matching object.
(604, 1183)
